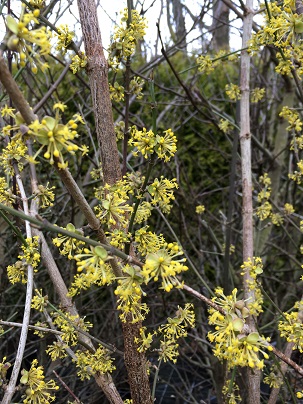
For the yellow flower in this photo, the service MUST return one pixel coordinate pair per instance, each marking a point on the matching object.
(45, 195)
(39, 302)
(205, 64)
(65, 37)
(162, 265)
(166, 145)
(69, 245)
(233, 91)
(59, 105)
(257, 94)
(144, 141)
(89, 363)
(126, 36)
(116, 92)
(78, 61)
(38, 391)
(7, 111)
(130, 293)
(289, 209)
(55, 136)
(200, 209)
(14, 152)
(21, 39)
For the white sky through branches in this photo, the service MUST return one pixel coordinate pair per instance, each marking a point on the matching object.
(66, 12)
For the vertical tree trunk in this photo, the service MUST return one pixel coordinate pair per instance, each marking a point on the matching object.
(97, 72)
(220, 26)
(253, 375)
(177, 34)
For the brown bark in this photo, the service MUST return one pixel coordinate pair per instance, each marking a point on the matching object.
(98, 78)
(136, 365)
(220, 26)
(252, 375)
(97, 71)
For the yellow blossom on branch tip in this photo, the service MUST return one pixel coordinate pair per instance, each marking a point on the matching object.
(200, 209)
(22, 38)
(38, 390)
(289, 209)
(125, 37)
(88, 363)
(69, 245)
(129, 294)
(65, 38)
(7, 111)
(78, 61)
(55, 136)
(92, 269)
(163, 266)
(148, 143)
(233, 91)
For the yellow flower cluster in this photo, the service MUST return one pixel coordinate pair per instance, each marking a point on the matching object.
(231, 342)
(4, 366)
(233, 92)
(147, 241)
(78, 61)
(148, 143)
(291, 327)
(171, 332)
(136, 86)
(45, 195)
(30, 256)
(200, 209)
(231, 393)
(161, 265)
(57, 350)
(56, 137)
(64, 37)
(144, 211)
(161, 192)
(120, 130)
(206, 64)
(67, 323)
(129, 294)
(118, 238)
(255, 268)
(175, 329)
(289, 209)
(69, 245)
(22, 38)
(145, 340)
(14, 152)
(6, 196)
(93, 270)
(281, 28)
(116, 92)
(114, 209)
(17, 272)
(292, 117)
(93, 363)
(274, 379)
(39, 302)
(225, 125)
(37, 390)
(264, 211)
(126, 36)
(257, 94)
